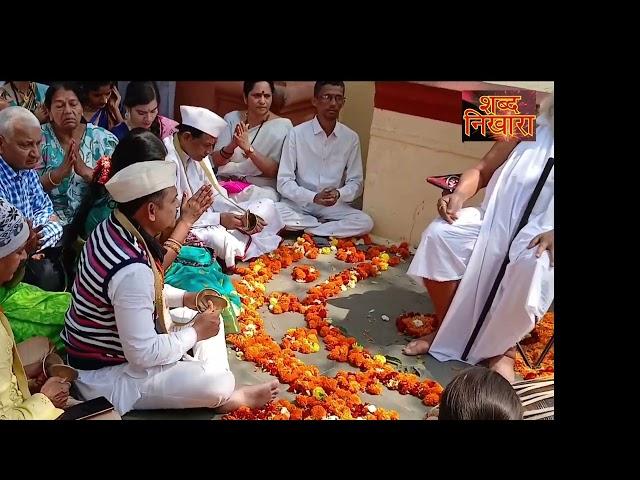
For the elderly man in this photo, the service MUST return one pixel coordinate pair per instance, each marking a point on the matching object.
(117, 331)
(16, 400)
(321, 171)
(221, 226)
(20, 142)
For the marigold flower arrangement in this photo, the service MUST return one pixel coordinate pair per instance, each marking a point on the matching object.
(533, 347)
(416, 324)
(319, 396)
(301, 340)
(305, 274)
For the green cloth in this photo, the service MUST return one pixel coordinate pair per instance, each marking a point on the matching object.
(196, 269)
(32, 311)
(99, 212)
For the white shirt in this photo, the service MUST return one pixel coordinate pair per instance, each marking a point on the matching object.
(311, 161)
(132, 295)
(191, 177)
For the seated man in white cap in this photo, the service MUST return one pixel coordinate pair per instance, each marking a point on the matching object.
(221, 226)
(320, 171)
(117, 332)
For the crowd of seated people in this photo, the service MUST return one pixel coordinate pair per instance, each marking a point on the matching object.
(108, 209)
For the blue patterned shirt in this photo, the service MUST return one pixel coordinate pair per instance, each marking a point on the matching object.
(24, 191)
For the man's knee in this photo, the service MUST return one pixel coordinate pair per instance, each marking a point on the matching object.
(365, 222)
(218, 387)
(528, 260)
(438, 230)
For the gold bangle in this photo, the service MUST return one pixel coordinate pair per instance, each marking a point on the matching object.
(170, 246)
(51, 180)
(174, 243)
(173, 240)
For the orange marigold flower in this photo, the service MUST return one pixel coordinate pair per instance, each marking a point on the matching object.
(374, 388)
(431, 400)
(318, 412)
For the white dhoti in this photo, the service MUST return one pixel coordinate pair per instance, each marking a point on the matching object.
(233, 244)
(201, 381)
(339, 220)
(228, 244)
(255, 192)
(473, 249)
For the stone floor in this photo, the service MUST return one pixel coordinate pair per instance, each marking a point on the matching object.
(357, 310)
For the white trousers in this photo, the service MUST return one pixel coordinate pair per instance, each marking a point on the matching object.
(201, 381)
(339, 220)
(233, 244)
(254, 193)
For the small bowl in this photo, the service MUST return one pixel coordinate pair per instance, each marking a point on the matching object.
(209, 295)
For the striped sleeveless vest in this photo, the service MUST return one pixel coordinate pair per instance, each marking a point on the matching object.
(90, 332)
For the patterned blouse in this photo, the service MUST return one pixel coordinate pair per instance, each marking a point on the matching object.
(67, 197)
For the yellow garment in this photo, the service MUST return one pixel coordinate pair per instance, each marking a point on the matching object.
(16, 403)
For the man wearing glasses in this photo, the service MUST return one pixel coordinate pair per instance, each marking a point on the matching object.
(320, 171)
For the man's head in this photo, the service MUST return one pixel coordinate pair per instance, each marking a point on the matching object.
(328, 99)
(199, 130)
(479, 394)
(547, 109)
(139, 145)
(20, 138)
(146, 192)
(14, 233)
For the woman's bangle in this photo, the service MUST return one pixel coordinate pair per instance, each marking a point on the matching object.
(172, 246)
(51, 180)
(174, 241)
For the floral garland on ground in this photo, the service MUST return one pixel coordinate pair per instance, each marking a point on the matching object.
(533, 346)
(416, 324)
(301, 340)
(319, 396)
(305, 274)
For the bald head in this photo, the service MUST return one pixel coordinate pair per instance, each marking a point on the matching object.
(20, 138)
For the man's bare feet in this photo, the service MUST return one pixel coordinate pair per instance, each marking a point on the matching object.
(420, 345)
(252, 396)
(503, 364)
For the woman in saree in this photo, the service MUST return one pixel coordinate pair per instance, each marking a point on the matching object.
(29, 95)
(71, 149)
(248, 152)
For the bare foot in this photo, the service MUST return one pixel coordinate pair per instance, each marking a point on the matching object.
(252, 396)
(504, 365)
(420, 345)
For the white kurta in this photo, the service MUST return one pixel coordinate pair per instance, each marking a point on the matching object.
(159, 373)
(228, 244)
(268, 140)
(473, 249)
(312, 161)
